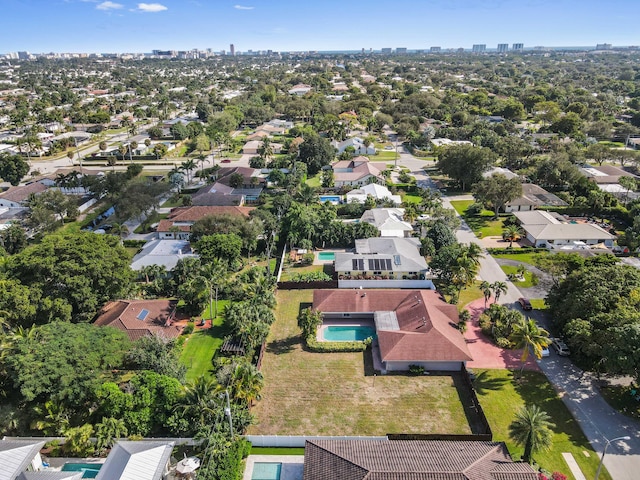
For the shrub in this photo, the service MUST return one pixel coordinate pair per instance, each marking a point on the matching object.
(311, 277)
(558, 476)
(326, 347)
(307, 258)
(189, 328)
(474, 209)
(503, 342)
(416, 369)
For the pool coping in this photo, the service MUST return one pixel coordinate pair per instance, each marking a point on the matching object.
(339, 323)
(292, 465)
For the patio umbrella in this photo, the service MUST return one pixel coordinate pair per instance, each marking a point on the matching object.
(188, 465)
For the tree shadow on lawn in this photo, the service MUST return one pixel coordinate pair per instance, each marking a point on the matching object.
(535, 389)
(284, 345)
(471, 406)
(484, 383)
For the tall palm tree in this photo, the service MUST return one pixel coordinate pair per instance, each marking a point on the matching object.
(512, 233)
(266, 150)
(188, 166)
(485, 287)
(108, 431)
(498, 288)
(211, 277)
(246, 382)
(532, 428)
(528, 336)
(199, 401)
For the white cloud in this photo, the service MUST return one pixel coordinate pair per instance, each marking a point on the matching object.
(243, 7)
(109, 6)
(151, 7)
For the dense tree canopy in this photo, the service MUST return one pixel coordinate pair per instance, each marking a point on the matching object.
(72, 275)
(465, 163)
(13, 168)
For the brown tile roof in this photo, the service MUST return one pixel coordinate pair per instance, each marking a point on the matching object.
(427, 324)
(194, 213)
(411, 460)
(21, 193)
(127, 315)
(359, 167)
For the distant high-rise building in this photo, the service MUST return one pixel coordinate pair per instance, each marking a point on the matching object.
(599, 46)
(232, 50)
(479, 48)
(503, 47)
(24, 55)
(386, 50)
(435, 49)
(401, 51)
(517, 47)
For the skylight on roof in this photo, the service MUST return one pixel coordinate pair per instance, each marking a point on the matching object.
(143, 314)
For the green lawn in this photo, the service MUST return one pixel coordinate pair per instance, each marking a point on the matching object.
(314, 181)
(538, 303)
(276, 451)
(484, 225)
(469, 294)
(308, 393)
(528, 276)
(174, 201)
(201, 346)
(383, 155)
(529, 258)
(501, 396)
(408, 198)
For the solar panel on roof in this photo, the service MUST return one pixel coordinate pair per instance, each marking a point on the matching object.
(143, 314)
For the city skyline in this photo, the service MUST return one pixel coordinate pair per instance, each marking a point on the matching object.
(101, 26)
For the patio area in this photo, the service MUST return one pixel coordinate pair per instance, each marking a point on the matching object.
(292, 466)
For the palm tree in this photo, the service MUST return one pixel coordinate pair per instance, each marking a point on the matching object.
(532, 428)
(246, 382)
(498, 288)
(527, 335)
(188, 166)
(512, 233)
(51, 418)
(212, 276)
(265, 150)
(485, 287)
(199, 401)
(108, 431)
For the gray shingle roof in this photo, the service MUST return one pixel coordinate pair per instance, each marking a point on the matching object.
(411, 460)
(16, 456)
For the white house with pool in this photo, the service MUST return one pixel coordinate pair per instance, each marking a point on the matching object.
(387, 262)
(413, 327)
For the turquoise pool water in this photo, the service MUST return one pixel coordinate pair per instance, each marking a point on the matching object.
(266, 471)
(330, 198)
(351, 333)
(326, 256)
(89, 470)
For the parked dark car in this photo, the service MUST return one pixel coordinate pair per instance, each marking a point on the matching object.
(525, 303)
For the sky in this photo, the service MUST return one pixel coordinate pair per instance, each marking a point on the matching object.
(106, 26)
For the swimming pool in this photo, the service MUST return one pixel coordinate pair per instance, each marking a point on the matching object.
(89, 470)
(266, 471)
(351, 333)
(330, 198)
(326, 256)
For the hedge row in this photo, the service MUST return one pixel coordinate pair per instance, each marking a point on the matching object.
(325, 347)
(515, 251)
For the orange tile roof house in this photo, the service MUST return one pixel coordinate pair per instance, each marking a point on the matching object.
(411, 459)
(140, 318)
(178, 224)
(414, 327)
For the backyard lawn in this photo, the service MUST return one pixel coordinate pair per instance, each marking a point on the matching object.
(329, 393)
(201, 346)
(529, 279)
(501, 396)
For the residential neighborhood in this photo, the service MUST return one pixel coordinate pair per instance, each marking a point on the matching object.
(312, 265)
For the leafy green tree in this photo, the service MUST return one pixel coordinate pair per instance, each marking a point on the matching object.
(328, 179)
(440, 234)
(309, 320)
(316, 152)
(80, 270)
(497, 190)
(53, 202)
(532, 428)
(13, 239)
(465, 163)
(246, 382)
(226, 247)
(158, 354)
(63, 361)
(78, 441)
(13, 168)
(179, 131)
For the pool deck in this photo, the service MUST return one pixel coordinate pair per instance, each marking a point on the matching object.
(375, 347)
(292, 465)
